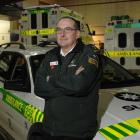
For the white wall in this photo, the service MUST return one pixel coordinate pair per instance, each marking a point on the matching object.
(29, 3)
(4, 31)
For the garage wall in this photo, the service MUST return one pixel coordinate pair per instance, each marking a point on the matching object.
(98, 15)
(28, 3)
(4, 31)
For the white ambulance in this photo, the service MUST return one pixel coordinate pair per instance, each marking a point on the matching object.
(122, 41)
(22, 112)
(38, 24)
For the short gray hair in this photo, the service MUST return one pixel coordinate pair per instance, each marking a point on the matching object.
(76, 22)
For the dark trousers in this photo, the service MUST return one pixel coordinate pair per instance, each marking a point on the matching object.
(47, 136)
(37, 132)
(65, 138)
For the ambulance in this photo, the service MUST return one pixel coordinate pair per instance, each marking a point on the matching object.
(37, 24)
(122, 41)
(22, 112)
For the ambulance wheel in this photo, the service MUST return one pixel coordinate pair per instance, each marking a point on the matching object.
(4, 135)
(36, 132)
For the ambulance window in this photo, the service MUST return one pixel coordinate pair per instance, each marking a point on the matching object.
(35, 62)
(20, 70)
(33, 21)
(44, 20)
(138, 60)
(34, 40)
(122, 40)
(5, 65)
(122, 60)
(20, 74)
(137, 39)
(114, 75)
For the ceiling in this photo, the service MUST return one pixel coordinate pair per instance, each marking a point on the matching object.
(5, 2)
(67, 3)
(10, 8)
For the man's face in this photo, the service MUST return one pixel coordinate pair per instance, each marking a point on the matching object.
(66, 33)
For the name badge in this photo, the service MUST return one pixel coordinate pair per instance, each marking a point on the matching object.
(53, 64)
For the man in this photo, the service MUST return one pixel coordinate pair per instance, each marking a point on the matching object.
(68, 80)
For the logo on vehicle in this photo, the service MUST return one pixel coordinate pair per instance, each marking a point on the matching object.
(131, 107)
(128, 96)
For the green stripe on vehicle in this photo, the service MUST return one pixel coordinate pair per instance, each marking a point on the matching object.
(109, 135)
(118, 131)
(30, 112)
(130, 128)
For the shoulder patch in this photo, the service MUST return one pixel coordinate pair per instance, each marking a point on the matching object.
(92, 61)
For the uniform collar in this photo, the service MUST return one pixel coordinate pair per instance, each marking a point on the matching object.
(62, 53)
(78, 48)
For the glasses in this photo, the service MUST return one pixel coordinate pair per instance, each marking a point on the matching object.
(65, 30)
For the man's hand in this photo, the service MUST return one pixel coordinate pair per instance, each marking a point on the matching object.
(79, 70)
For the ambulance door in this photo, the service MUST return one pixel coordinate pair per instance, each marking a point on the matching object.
(53, 17)
(25, 26)
(22, 103)
(19, 89)
(122, 46)
(109, 39)
(135, 45)
(6, 67)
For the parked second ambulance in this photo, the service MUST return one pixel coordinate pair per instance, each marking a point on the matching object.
(122, 41)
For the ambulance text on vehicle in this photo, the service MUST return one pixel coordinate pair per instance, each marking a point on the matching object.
(122, 41)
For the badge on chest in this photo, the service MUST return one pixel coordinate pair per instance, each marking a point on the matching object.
(53, 64)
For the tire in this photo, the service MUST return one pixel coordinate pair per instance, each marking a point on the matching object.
(4, 135)
(36, 132)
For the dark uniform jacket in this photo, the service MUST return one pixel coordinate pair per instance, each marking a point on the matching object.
(70, 100)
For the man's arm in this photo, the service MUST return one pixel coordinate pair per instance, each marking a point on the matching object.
(78, 83)
(43, 88)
